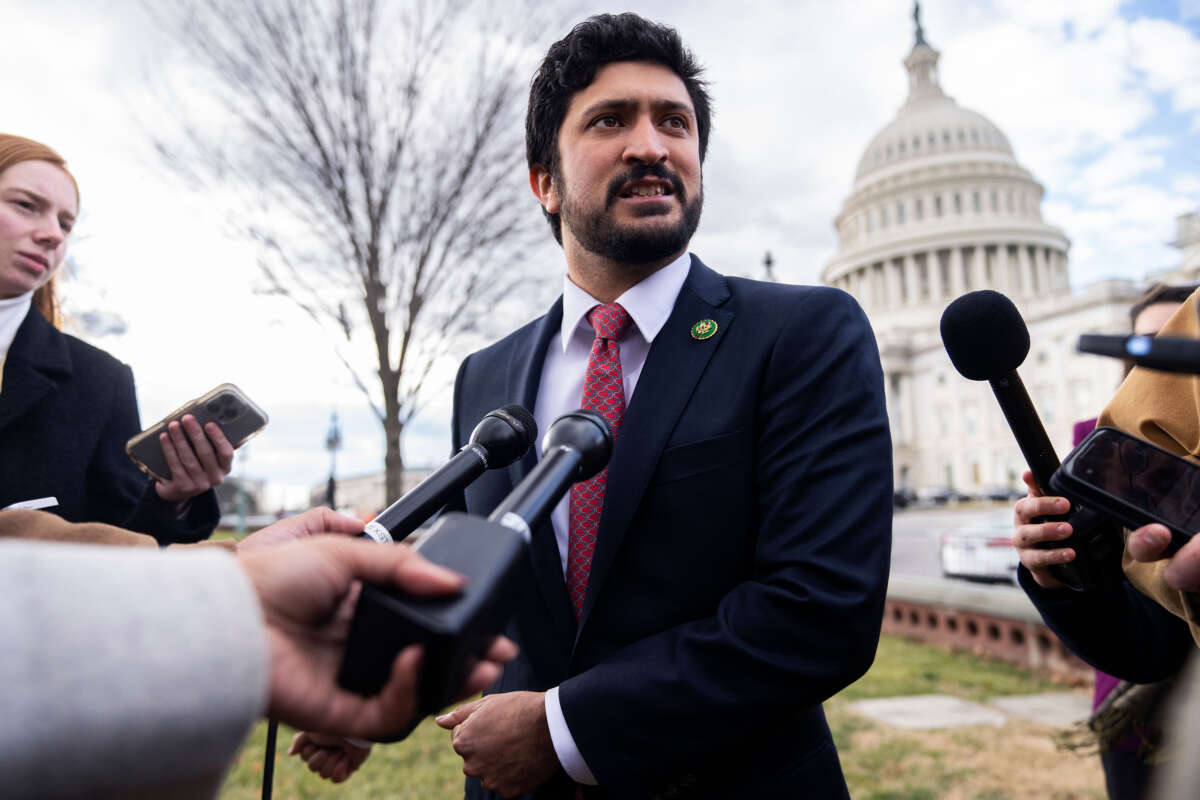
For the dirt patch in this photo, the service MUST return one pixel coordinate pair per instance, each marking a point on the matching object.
(1019, 759)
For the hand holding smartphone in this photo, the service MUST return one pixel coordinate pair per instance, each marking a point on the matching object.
(226, 406)
(1134, 482)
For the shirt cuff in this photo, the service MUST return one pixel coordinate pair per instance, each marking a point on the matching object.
(564, 743)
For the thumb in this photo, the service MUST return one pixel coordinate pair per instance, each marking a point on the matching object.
(394, 565)
(458, 715)
(1148, 542)
(323, 520)
(1031, 484)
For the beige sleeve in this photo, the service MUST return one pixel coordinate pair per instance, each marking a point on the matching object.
(47, 527)
(1162, 408)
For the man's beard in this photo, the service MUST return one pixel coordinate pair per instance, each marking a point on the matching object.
(598, 232)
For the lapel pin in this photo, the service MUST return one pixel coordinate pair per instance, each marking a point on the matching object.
(704, 329)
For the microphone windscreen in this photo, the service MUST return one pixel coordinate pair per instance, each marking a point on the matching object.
(526, 420)
(984, 335)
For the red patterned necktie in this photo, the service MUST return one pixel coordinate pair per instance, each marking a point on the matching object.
(603, 392)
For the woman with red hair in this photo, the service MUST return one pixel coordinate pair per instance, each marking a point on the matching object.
(67, 408)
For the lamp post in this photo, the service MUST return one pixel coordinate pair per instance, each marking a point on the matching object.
(769, 267)
(333, 442)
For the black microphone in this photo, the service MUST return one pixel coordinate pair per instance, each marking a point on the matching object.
(577, 446)
(492, 553)
(500, 438)
(1163, 353)
(987, 340)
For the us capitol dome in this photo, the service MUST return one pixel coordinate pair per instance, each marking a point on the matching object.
(940, 206)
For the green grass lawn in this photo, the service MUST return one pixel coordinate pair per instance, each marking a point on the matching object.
(879, 764)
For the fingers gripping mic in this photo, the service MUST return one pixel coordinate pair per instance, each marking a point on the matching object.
(500, 438)
(987, 340)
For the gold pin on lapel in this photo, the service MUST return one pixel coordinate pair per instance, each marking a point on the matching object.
(704, 329)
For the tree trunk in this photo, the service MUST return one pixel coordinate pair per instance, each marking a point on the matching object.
(393, 459)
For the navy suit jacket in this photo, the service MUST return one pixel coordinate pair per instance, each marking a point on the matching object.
(742, 557)
(66, 411)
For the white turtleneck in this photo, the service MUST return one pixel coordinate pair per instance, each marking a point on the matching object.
(12, 314)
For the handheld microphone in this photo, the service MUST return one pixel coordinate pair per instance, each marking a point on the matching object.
(987, 340)
(1163, 353)
(493, 555)
(500, 438)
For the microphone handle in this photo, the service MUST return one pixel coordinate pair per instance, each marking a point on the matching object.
(1026, 428)
(537, 495)
(406, 514)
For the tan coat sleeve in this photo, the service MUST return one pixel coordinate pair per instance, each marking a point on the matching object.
(46, 527)
(1162, 408)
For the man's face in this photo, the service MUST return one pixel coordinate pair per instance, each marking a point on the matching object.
(628, 185)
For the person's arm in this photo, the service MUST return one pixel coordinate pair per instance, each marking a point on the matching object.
(152, 664)
(118, 493)
(1119, 631)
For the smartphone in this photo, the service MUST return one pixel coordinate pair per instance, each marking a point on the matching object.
(1134, 482)
(228, 406)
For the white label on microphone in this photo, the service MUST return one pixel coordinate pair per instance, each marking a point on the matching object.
(515, 523)
(378, 533)
(33, 505)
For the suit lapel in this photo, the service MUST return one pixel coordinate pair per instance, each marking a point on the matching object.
(37, 362)
(524, 377)
(673, 367)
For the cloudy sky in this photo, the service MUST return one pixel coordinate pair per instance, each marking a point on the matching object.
(1100, 99)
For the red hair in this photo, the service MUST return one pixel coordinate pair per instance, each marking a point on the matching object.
(14, 150)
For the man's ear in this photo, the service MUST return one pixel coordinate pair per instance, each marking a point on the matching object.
(542, 184)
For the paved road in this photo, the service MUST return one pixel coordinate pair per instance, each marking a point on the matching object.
(916, 534)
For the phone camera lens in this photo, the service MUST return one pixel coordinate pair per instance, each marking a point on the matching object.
(213, 407)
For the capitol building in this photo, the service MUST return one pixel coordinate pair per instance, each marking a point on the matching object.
(940, 206)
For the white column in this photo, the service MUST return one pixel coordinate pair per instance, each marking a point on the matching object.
(937, 292)
(1028, 287)
(979, 268)
(956, 271)
(1000, 272)
(910, 279)
(891, 276)
(1046, 282)
(865, 293)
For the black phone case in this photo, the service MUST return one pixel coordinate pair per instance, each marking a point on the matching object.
(226, 405)
(1072, 481)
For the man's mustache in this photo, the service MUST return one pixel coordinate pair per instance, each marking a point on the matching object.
(639, 171)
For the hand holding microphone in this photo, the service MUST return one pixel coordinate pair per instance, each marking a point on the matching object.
(987, 340)
(493, 556)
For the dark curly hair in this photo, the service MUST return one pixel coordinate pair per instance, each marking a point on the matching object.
(571, 65)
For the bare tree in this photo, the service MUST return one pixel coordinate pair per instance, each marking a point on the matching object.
(373, 151)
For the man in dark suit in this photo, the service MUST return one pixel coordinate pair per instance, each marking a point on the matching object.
(695, 603)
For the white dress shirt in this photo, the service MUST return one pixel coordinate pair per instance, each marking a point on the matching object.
(560, 391)
(12, 314)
